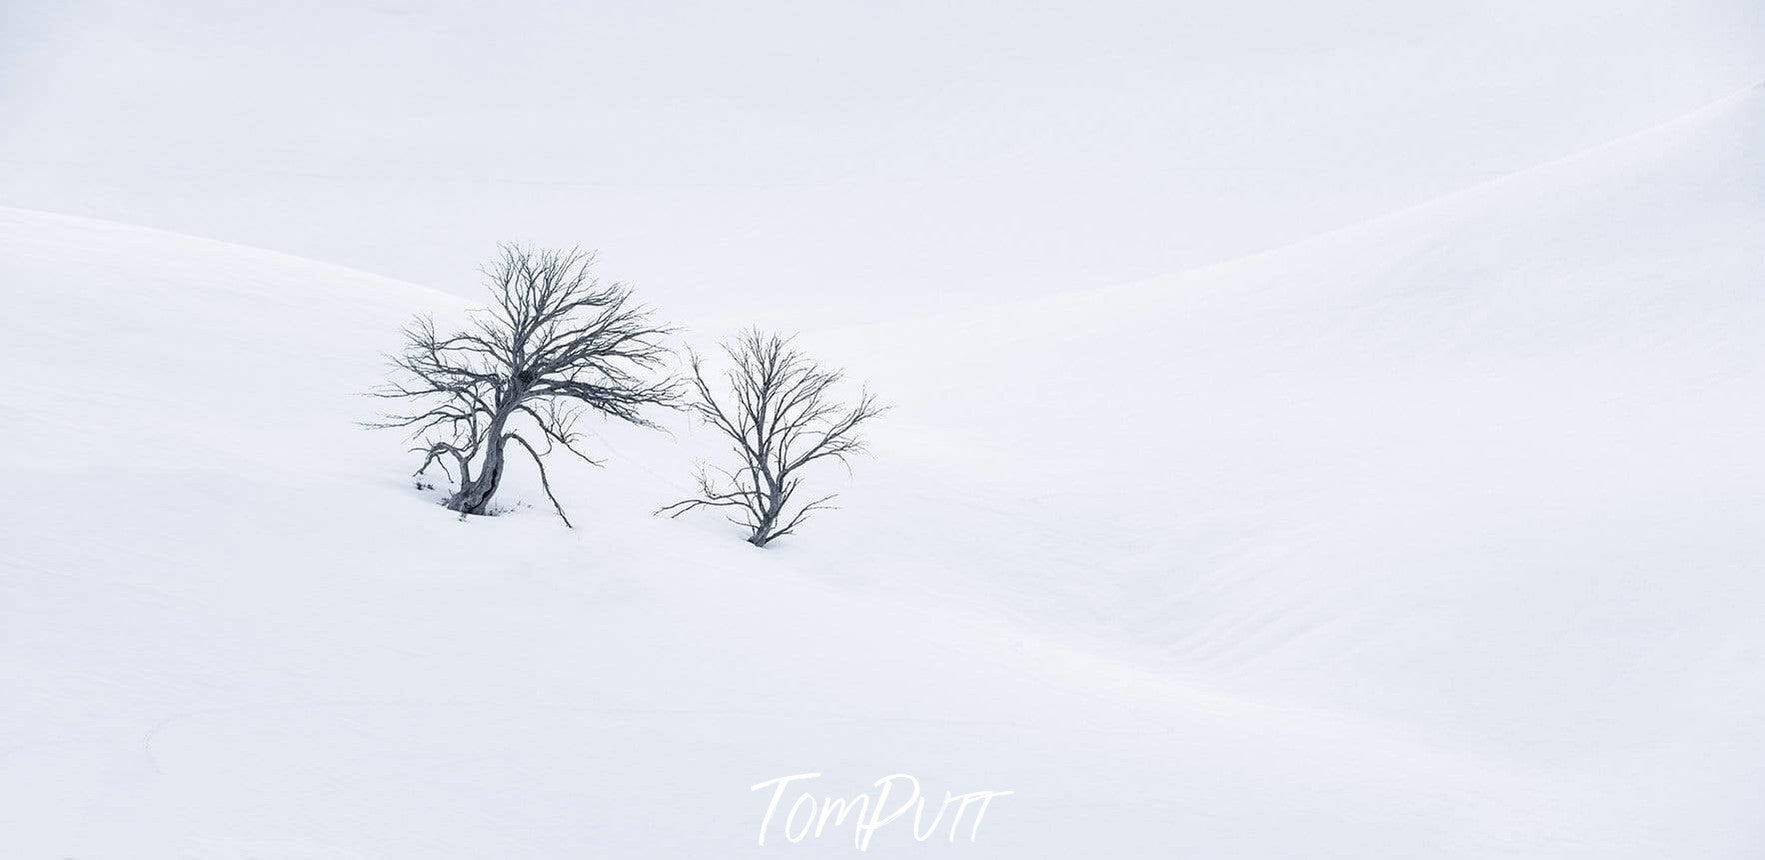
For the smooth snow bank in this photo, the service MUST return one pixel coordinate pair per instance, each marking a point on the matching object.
(1489, 468)
(1435, 537)
(757, 157)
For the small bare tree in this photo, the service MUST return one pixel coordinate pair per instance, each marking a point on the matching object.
(554, 344)
(782, 416)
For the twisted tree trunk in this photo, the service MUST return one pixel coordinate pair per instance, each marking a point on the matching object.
(474, 495)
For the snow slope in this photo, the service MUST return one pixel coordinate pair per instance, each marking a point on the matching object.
(1489, 467)
(775, 152)
(1438, 536)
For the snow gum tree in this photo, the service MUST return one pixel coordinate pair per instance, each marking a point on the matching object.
(781, 415)
(555, 344)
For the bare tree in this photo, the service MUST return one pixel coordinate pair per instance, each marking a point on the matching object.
(781, 416)
(554, 344)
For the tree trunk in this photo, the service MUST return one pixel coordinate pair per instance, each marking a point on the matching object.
(774, 507)
(474, 496)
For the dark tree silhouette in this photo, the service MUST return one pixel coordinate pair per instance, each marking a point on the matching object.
(782, 416)
(555, 343)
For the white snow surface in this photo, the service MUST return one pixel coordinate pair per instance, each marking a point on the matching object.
(1437, 536)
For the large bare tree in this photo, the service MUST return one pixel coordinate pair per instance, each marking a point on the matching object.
(781, 416)
(554, 344)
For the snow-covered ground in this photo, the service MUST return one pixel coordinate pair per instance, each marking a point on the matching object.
(1440, 535)
(846, 159)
